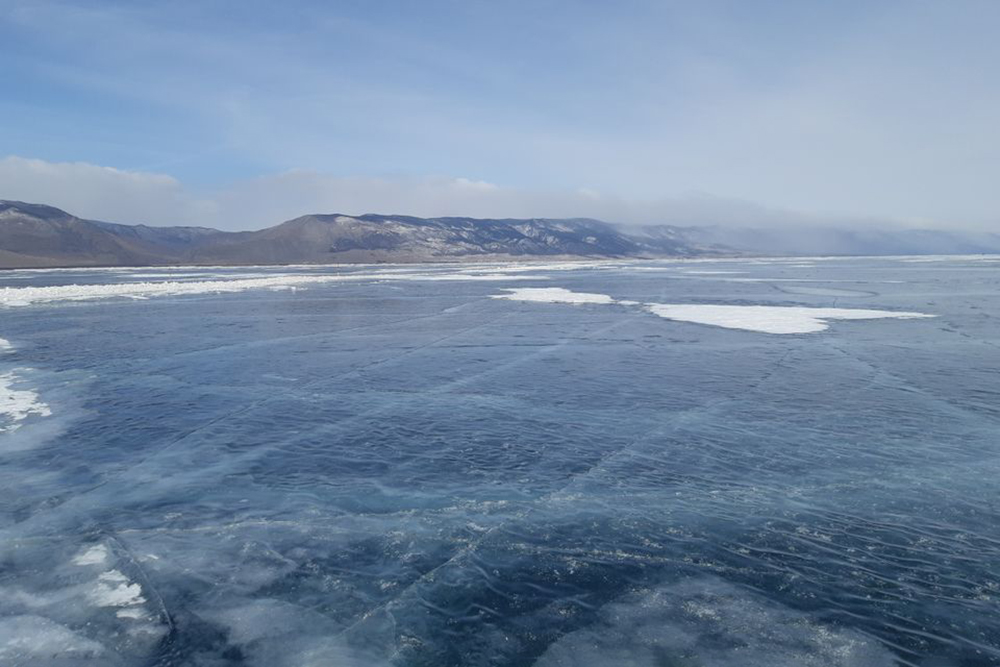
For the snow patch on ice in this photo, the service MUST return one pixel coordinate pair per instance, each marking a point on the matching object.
(114, 589)
(95, 555)
(528, 266)
(461, 276)
(25, 296)
(553, 295)
(16, 405)
(765, 319)
(710, 273)
(769, 319)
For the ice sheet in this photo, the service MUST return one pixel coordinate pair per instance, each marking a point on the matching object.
(423, 475)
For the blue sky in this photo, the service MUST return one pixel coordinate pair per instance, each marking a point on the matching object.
(240, 114)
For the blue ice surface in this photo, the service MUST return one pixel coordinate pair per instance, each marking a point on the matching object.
(413, 473)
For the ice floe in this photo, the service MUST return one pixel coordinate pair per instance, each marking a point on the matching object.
(769, 319)
(553, 295)
(16, 405)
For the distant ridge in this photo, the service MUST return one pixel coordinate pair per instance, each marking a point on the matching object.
(39, 236)
(34, 235)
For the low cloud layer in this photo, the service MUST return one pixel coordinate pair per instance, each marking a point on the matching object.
(115, 195)
(103, 193)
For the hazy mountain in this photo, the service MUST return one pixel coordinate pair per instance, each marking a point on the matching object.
(325, 238)
(33, 235)
(852, 241)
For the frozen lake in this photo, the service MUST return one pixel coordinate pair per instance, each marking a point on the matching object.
(736, 462)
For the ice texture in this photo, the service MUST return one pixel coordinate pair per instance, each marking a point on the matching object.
(707, 621)
(377, 471)
(35, 640)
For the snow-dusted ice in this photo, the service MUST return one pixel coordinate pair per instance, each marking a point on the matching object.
(591, 463)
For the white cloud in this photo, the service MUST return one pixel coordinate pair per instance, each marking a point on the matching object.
(103, 193)
(115, 195)
(880, 108)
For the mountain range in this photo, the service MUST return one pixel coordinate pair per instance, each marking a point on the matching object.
(38, 236)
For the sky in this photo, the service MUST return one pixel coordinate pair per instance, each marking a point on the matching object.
(239, 115)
